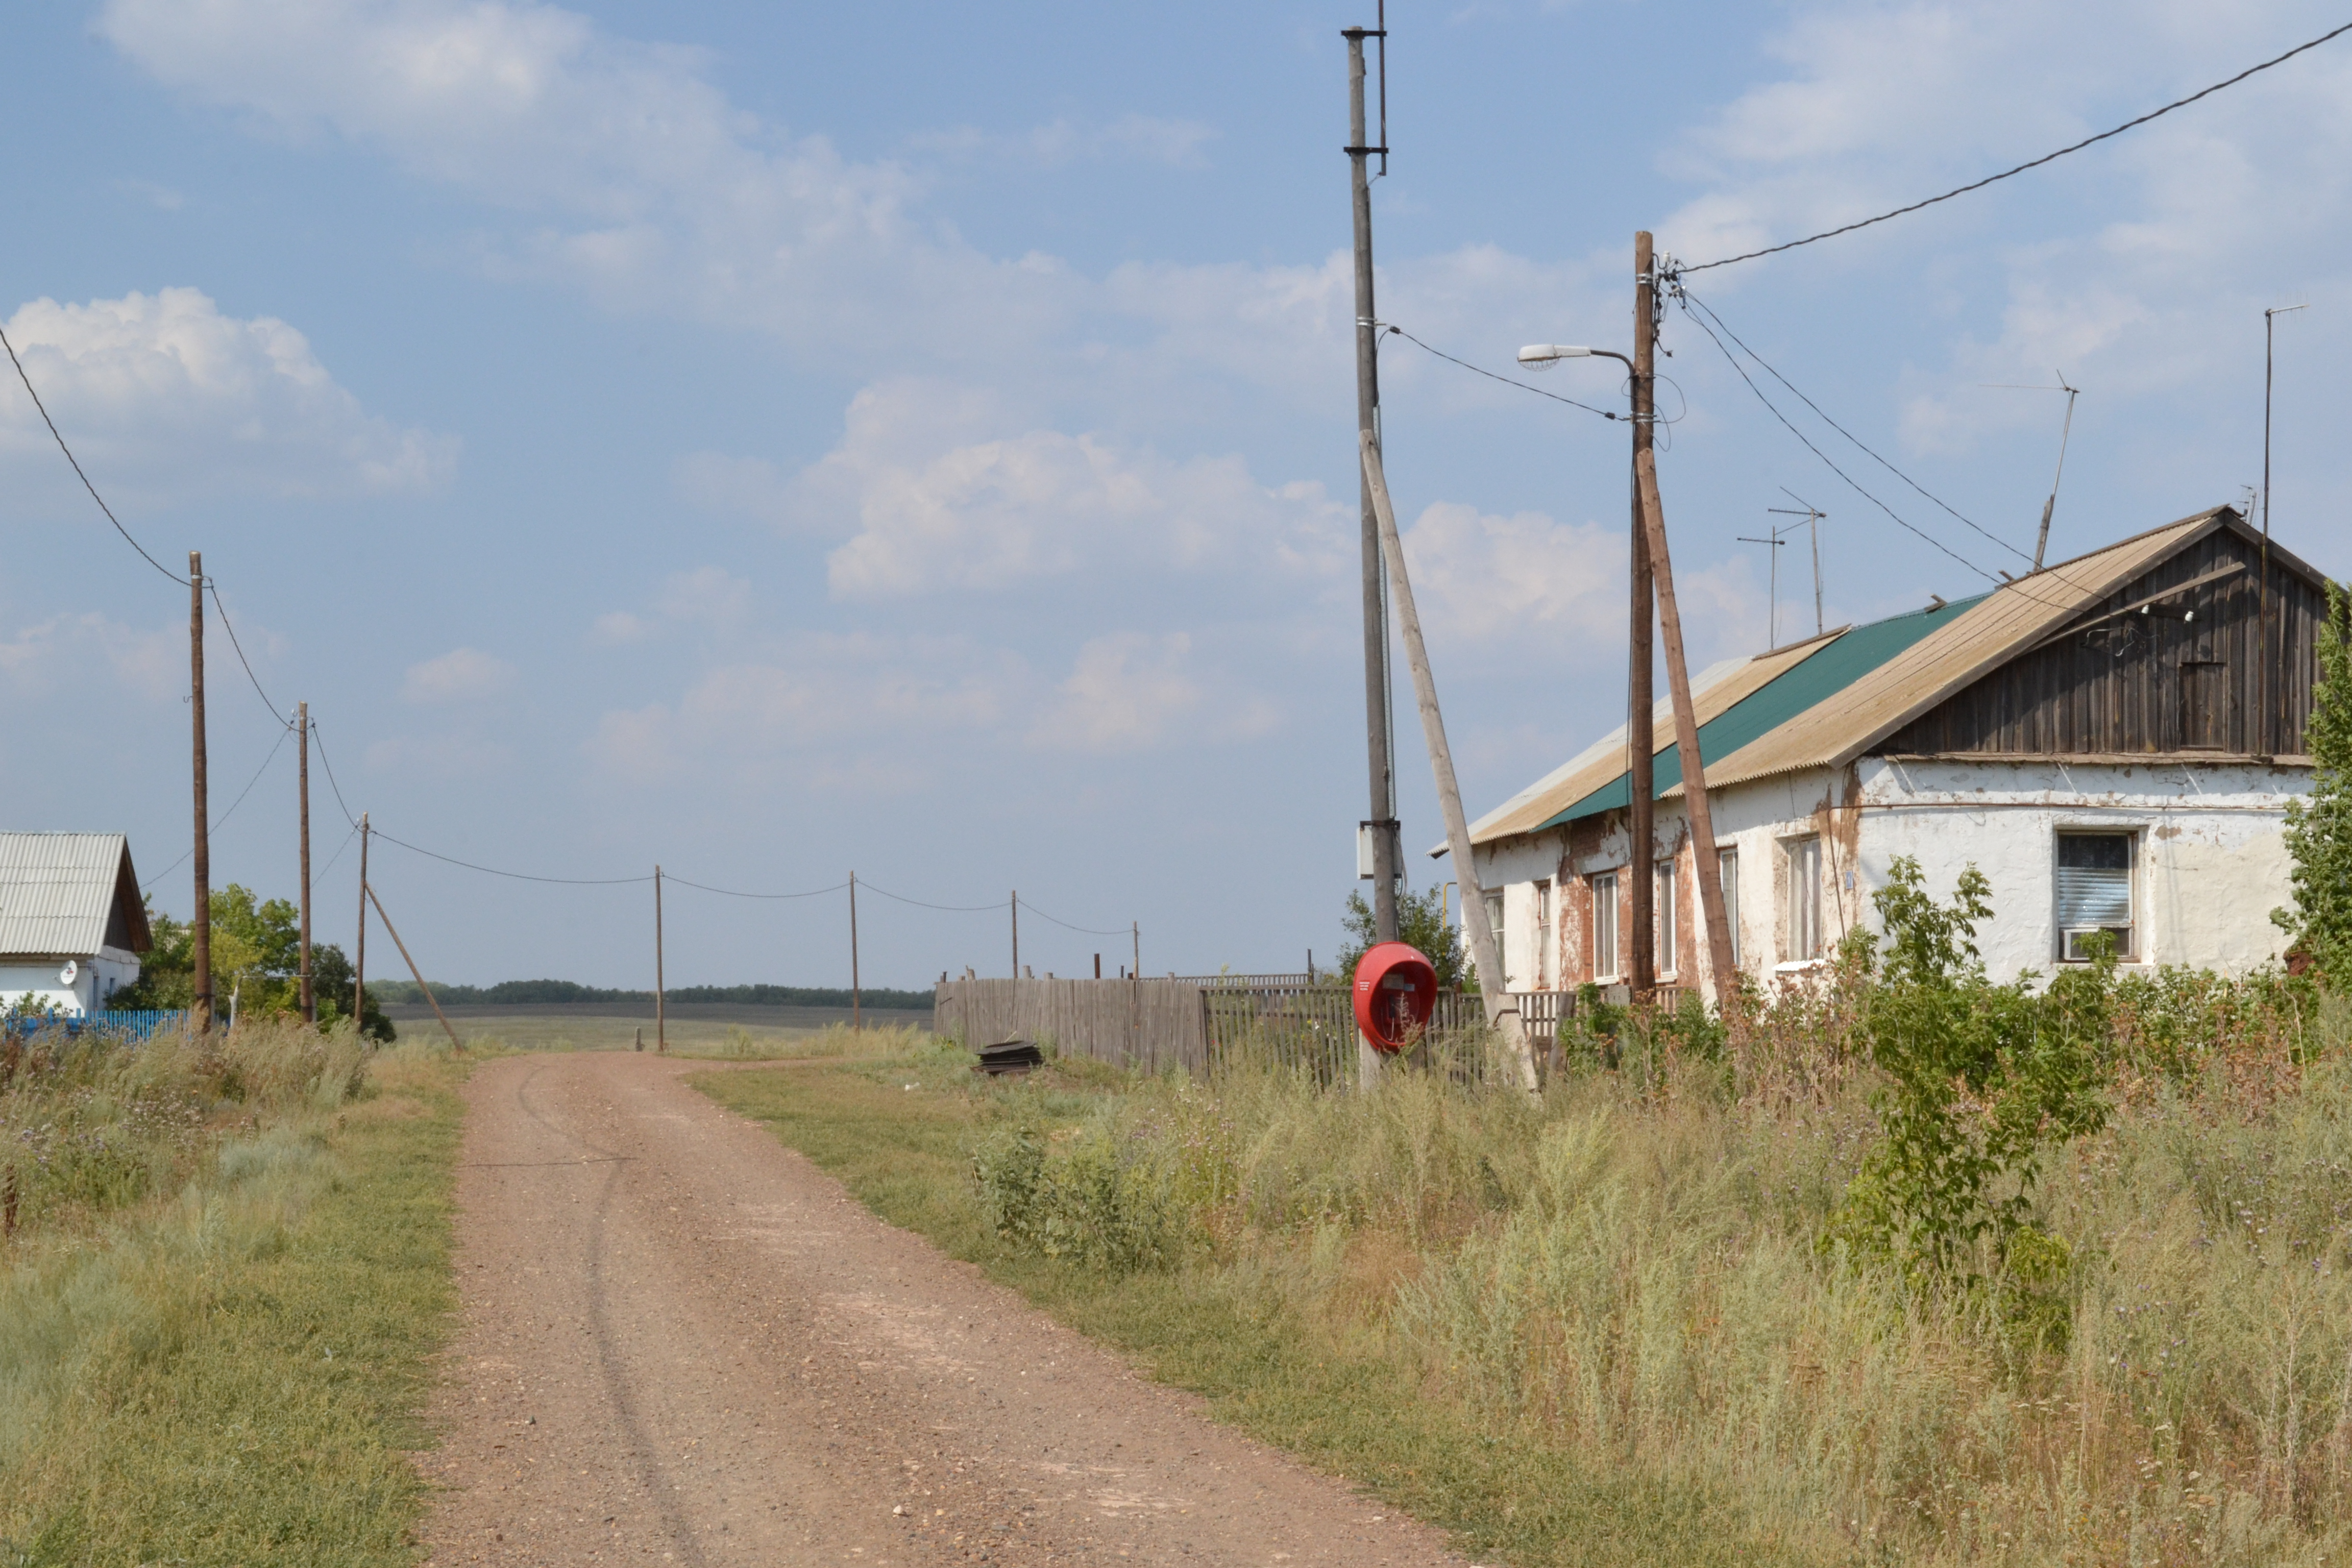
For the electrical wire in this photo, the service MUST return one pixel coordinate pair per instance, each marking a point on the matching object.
(331, 784)
(1690, 299)
(1088, 930)
(213, 589)
(2034, 164)
(214, 825)
(1841, 473)
(84, 478)
(729, 892)
(515, 875)
(1506, 380)
(340, 849)
(918, 903)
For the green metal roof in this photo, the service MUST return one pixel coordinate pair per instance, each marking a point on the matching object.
(1844, 660)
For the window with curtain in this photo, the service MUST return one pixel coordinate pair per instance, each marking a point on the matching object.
(1545, 960)
(1728, 862)
(1805, 899)
(1605, 926)
(2095, 893)
(1668, 945)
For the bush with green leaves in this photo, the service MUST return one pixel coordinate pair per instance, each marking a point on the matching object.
(1980, 1080)
(2319, 827)
(1420, 925)
(1083, 1194)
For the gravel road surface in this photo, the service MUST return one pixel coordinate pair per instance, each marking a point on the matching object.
(683, 1343)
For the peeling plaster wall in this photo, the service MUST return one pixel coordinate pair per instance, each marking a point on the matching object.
(2211, 861)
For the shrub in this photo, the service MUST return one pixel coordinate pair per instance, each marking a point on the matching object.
(1082, 1194)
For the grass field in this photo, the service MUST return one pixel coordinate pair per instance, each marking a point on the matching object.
(1323, 1390)
(227, 1369)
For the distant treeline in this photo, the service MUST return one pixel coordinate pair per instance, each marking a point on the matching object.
(542, 993)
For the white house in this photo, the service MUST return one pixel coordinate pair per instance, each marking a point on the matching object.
(72, 924)
(2112, 740)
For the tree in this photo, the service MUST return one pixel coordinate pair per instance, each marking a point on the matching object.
(1421, 924)
(2319, 826)
(331, 986)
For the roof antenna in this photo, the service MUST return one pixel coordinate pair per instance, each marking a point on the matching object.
(1381, 21)
(2042, 540)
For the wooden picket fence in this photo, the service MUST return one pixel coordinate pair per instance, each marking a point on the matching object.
(1205, 1027)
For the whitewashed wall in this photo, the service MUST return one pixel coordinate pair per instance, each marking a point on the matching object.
(97, 978)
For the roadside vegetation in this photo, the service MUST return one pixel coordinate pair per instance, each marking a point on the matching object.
(226, 1274)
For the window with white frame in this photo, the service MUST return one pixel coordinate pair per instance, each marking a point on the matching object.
(1727, 861)
(1805, 899)
(1545, 960)
(1605, 926)
(2095, 893)
(1494, 903)
(1668, 942)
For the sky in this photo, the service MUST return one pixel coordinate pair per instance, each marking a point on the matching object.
(778, 441)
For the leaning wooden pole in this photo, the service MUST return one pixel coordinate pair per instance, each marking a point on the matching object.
(1706, 862)
(419, 973)
(1502, 1013)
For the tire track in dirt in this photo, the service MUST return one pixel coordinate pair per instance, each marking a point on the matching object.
(683, 1343)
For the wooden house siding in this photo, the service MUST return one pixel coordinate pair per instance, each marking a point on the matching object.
(2148, 684)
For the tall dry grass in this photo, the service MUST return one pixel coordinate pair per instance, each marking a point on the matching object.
(1632, 1271)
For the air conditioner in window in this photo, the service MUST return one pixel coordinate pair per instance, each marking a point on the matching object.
(2079, 945)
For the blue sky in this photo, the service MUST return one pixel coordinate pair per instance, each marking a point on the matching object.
(775, 440)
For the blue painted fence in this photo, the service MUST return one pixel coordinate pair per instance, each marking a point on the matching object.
(137, 1024)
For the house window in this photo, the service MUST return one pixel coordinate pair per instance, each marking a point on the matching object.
(1494, 903)
(1805, 899)
(1544, 950)
(2095, 893)
(1728, 863)
(1667, 943)
(1605, 926)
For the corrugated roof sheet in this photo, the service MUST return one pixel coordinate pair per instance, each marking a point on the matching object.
(58, 890)
(2002, 625)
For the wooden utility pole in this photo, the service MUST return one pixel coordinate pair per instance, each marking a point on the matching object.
(359, 947)
(661, 989)
(857, 1018)
(200, 930)
(1016, 934)
(417, 974)
(1135, 934)
(1640, 698)
(1502, 1013)
(1379, 719)
(2264, 728)
(302, 792)
(1703, 856)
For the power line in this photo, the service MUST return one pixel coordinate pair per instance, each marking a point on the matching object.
(1824, 457)
(515, 875)
(84, 478)
(1690, 299)
(729, 892)
(213, 589)
(2034, 164)
(340, 849)
(225, 816)
(331, 777)
(1088, 930)
(918, 903)
(1490, 375)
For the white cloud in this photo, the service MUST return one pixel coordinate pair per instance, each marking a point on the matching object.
(461, 675)
(1479, 578)
(55, 659)
(988, 514)
(163, 396)
(1177, 143)
(1125, 694)
(620, 627)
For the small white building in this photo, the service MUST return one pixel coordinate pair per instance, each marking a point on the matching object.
(72, 924)
(2112, 740)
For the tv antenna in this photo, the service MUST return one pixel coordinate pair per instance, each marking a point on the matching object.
(1812, 516)
(2042, 540)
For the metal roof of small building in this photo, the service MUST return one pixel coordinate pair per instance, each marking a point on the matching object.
(60, 891)
(1772, 714)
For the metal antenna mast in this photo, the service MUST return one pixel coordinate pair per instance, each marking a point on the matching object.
(1379, 701)
(1813, 517)
(2263, 725)
(1772, 623)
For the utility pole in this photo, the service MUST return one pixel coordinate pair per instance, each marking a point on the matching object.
(2263, 725)
(1705, 863)
(302, 775)
(1640, 698)
(1502, 1013)
(2065, 434)
(1135, 931)
(1379, 720)
(856, 1018)
(200, 934)
(661, 989)
(359, 948)
(1016, 934)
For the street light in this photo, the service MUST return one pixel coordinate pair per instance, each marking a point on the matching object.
(1543, 356)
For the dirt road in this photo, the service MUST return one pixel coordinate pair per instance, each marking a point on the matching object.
(683, 1343)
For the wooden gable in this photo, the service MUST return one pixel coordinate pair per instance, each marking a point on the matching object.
(2170, 664)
